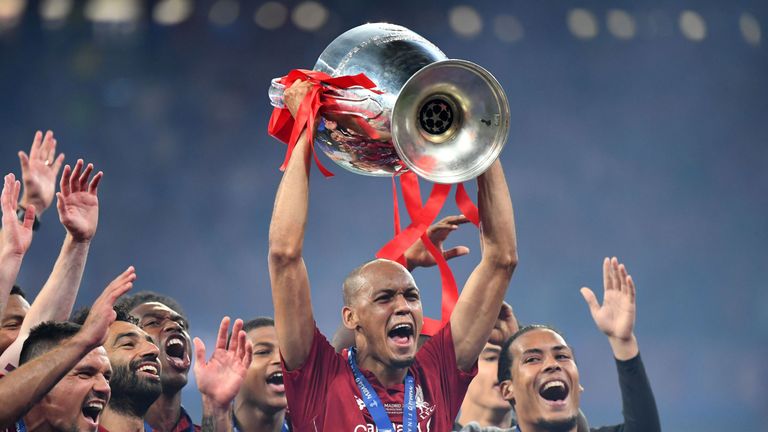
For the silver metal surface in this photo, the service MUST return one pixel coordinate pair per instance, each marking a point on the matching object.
(447, 120)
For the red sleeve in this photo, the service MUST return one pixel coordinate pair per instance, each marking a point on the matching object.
(438, 355)
(306, 386)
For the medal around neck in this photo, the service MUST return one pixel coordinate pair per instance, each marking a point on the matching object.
(446, 120)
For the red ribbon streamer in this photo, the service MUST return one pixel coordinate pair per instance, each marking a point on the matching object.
(421, 218)
(284, 127)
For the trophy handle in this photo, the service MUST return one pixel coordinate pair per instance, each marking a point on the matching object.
(357, 102)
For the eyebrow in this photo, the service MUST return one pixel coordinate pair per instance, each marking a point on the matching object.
(131, 334)
(266, 344)
(491, 350)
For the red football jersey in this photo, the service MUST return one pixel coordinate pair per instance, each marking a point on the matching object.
(323, 396)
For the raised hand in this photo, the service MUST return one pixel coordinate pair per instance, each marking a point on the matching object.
(78, 203)
(102, 314)
(39, 170)
(16, 236)
(616, 316)
(506, 325)
(294, 95)
(418, 256)
(219, 379)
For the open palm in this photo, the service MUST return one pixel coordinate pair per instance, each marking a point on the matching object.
(616, 316)
(78, 202)
(219, 378)
(16, 236)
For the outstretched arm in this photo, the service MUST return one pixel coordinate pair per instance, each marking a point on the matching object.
(294, 321)
(616, 319)
(481, 298)
(15, 237)
(219, 378)
(24, 387)
(78, 207)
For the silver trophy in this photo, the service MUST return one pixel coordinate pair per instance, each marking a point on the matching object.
(444, 119)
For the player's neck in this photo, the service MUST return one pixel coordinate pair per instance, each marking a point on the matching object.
(386, 374)
(36, 423)
(470, 411)
(527, 426)
(165, 412)
(251, 418)
(115, 421)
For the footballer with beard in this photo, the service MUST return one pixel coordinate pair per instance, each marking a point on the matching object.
(164, 319)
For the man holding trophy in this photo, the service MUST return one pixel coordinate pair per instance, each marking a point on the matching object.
(382, 383)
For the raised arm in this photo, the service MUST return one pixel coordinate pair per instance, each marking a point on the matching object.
(39, 169)
(616, 319)
(294, 321)
(78, 207)
(15, 237)
(25, 386)
(481, 298)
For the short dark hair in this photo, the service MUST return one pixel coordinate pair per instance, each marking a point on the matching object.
(46, 336)
(255, 323)
(16, 290)
(79, 316)
(505, 358)
(141, 297)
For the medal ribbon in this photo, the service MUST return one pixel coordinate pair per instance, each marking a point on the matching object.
(376, 407)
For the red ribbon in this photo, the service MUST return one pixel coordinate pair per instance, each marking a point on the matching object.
(287, 129)
(421, 218)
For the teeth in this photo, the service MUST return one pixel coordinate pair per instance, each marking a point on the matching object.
(175, 342)
(96, 405)
(553, 384)
(399, 326)
(149, 369)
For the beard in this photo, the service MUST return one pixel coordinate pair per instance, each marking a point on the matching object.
(565, 425)
(131, 394)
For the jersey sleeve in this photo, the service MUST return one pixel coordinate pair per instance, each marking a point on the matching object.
(438, 355)
(306, 386)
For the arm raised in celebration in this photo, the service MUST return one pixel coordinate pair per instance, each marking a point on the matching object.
(25, 386)
(481, 299)
(78, 207)
(15, 237)
(294, 321)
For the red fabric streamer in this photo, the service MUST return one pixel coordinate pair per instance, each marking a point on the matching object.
(284, 127)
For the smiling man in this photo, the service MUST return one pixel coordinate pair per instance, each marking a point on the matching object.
(163, 318)
(383, 383)
(538, 372)
(135, 374)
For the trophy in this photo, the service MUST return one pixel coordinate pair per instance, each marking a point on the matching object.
(444, 119)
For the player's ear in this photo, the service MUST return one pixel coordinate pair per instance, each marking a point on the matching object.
(507, 393)
(349, 318)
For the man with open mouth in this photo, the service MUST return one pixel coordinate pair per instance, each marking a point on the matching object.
(62, 383)
(135, 379)
(538, 372)
(260, 404)
(383, 383)
(76, 402)
(164, 319)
